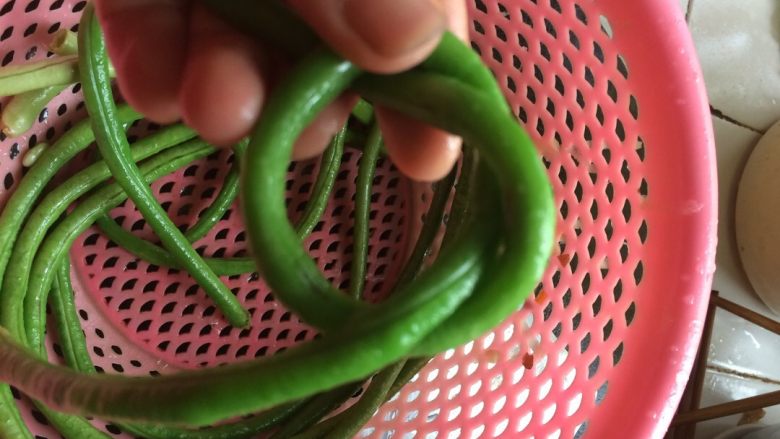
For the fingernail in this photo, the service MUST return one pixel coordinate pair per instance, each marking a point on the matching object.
(395, 27)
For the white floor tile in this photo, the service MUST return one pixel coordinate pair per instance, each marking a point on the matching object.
(721, 387)
(743, 347)
(738, 44)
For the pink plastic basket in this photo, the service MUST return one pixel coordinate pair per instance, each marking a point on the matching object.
(613, 95)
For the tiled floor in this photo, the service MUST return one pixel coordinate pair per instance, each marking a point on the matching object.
(738, 42)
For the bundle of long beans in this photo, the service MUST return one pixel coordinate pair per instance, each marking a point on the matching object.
(497, 243)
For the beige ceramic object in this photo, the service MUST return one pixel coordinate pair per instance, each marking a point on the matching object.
(757, 218)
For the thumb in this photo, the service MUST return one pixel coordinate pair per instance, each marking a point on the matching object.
(383, 36)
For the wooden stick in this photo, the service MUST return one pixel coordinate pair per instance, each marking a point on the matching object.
(701, 360)
(728, 409)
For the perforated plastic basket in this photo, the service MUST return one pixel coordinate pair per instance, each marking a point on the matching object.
(612, 93)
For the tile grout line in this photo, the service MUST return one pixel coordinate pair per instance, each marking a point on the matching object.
(689, 10)
(743, 375)
(720, 115)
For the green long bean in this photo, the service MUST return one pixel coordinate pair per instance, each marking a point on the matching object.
(22, 110)
(314, 410)
(154, 254)
(11, 422)
(210, 217)
(431, 225)
(15, 279)
(69, 332)
(157, 255)
(59, 71)
(38, 176)
(73, 427)
(57, 242)
(363, 190)
(33, 154)
(348, 423)
(74, 348)
(64, 42)
(216, 210)
(34, 327)
(323, 186)
(363, 112)
(113, 146)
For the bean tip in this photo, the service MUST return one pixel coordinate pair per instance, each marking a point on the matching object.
(8, 131)
(242, 321)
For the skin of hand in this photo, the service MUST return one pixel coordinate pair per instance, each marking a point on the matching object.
(175, 61)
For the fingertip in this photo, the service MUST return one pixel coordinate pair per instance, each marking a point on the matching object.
(222, 91)
(383, 36)
(157, 100)
(221, 96)
(457, 18)
(316, 137)
(147, 43)
(421, 152)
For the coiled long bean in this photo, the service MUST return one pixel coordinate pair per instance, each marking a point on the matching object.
(73, 344)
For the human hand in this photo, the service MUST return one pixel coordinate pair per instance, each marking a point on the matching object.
(175, 60)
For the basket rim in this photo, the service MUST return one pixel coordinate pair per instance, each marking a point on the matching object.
(680, 260)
